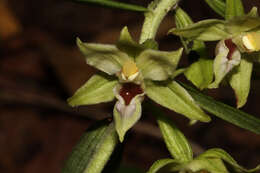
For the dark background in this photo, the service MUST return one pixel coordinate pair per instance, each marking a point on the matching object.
(40, 67)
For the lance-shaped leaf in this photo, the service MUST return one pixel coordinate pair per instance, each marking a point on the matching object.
(158, 65)
(97, 89)
(234, 8)
(218, 6)
(175, 141)
(162, 163)
(176, 98)
(211, 165)
(93, 150)
(128, 45)
(200, 73)
(221, 154)
(240, 81)
(104, 57)
(206, 30)
(115, 4)
(126, 114)
(225, 112)
(228, 56)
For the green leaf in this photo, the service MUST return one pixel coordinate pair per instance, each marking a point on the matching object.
(128, 45)
(171, 95)
(175, 141)
(200, 73)
(159, 164)
(240, 81)
(115, 4)
(211, 165)
(221, 154)
(219, 6)
(225, 112)
(125, 116)
(94, 149)
(97, 89)
(234, 8)
(158, 65)
(206, 30)
(104, 57)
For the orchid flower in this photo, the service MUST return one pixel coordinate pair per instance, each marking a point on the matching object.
(239, 46)
(129, 72)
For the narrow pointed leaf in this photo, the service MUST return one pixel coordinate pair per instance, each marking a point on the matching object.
(175, 141)
(240, 81)
(221, 154)
(160, 164)
(158, 65)
(115, 4)
(242, 24)
(128, 45)
(200, 73)
(218, 6)
(213, 165)
(104, 57)
(234, 8)
(206, 30)
(225, 112)
(97, 89)
(176, 98)
(93, 151)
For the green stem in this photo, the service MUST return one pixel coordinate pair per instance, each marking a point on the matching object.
(153, 18)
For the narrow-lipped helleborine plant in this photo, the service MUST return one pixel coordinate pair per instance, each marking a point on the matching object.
(139, 70)
(239, 45)
(129, 71)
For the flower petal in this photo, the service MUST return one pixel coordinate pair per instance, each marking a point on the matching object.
(97, 89)
(158, 65)
(125, 116)
(175, 97)
(227, 58)
(104, 57)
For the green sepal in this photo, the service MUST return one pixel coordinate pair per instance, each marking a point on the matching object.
(128, 45)
(200, 73)
(242, 24)
(158, 65)
(206, 30)
(98, 89)
(174, 97)
(234, 8)
(223, 155)
(125, 116)
(104, 57)
(253, 12)
(161, 164)
(240, 81)
(175, 141)
(94, 149)
(182, 20)
(224, 64)
(219, 6)
(212, 165)
(151, 44)
(115, 4)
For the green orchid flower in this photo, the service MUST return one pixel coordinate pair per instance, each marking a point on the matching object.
(238, 47)
(131, 71)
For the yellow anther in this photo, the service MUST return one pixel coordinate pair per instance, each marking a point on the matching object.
(252, 41)
(129, 68)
